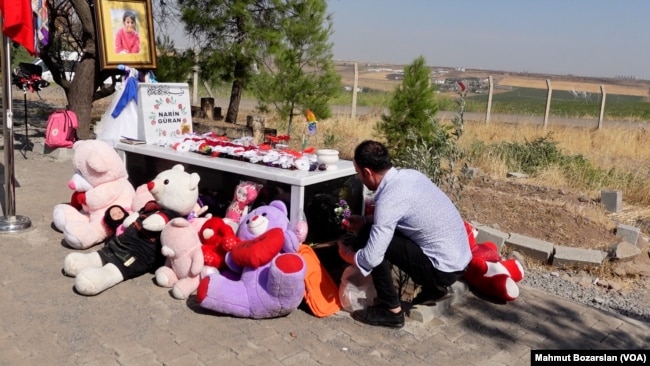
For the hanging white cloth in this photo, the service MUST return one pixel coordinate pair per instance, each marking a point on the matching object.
(120, 119)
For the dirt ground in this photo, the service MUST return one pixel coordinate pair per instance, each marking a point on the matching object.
(558, 216)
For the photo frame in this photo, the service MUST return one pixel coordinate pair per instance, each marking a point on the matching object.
(125, 34)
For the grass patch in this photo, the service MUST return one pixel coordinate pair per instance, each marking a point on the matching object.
(565, 157)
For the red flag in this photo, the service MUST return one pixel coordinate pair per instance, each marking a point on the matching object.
(18, 22)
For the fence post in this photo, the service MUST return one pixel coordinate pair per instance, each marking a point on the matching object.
(354, 91)
(548, 101)
(602, 106)
(195, 78)
(489, 102)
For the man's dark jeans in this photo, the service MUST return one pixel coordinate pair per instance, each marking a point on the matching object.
(407, 256)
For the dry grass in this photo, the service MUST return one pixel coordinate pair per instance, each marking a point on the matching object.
(341, 133)
(612, 148)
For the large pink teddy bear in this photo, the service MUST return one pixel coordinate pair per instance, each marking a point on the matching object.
(101, 181)
(182, 247)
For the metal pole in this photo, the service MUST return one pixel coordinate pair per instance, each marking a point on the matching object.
(489, 103)
(548, 102)
(10, 222)
(602, 106)
(355, 85)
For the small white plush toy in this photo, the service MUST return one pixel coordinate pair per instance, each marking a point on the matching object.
(138, 250)
(182, 247)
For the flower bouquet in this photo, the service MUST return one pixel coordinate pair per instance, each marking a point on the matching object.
(327, 216)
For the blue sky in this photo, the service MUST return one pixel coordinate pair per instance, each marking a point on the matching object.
(580, 37)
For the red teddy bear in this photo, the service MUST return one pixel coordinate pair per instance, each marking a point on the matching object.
(217, 239)
(489, 274)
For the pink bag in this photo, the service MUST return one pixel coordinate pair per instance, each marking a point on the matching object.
(61, 129)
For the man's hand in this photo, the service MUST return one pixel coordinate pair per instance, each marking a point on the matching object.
(346, 253)
(355, 222)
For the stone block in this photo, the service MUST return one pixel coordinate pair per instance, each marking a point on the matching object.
(625, 251)
(486, 233)
(576, 257)
(59, 154)
(628, 233)
(425, 314)
(534, 248)
(612, 200)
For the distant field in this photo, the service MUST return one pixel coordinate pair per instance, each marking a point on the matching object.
(522, 82)
(572, 96)
(378, 80)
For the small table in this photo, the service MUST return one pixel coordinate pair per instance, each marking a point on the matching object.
(298, 180)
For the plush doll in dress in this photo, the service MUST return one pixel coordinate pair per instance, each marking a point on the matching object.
(245, 195)
(266, 279)
(182, 247)
(100, 181)
(138, 250)
(489, 274)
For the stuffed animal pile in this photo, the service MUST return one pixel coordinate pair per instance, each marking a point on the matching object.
(158, 228)
(138, 250)
(489, 274)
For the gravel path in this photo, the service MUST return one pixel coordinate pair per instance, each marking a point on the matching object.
(633, 303)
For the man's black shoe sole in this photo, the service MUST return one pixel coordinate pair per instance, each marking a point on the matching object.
(383, 324)
(434, 301)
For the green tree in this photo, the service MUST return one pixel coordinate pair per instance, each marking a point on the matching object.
(412, 110)
(416, 137)
(299, 72)
(230, 35)
(173, 65)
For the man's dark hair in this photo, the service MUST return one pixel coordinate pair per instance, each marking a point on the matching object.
(372, 155)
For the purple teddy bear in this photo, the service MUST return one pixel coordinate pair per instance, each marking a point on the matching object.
(274, 289)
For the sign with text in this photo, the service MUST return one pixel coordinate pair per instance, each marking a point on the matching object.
(164, 111)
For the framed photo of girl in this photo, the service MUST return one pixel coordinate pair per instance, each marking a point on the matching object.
(125, 33)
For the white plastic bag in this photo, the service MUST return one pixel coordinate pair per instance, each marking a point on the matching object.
(356, 292)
